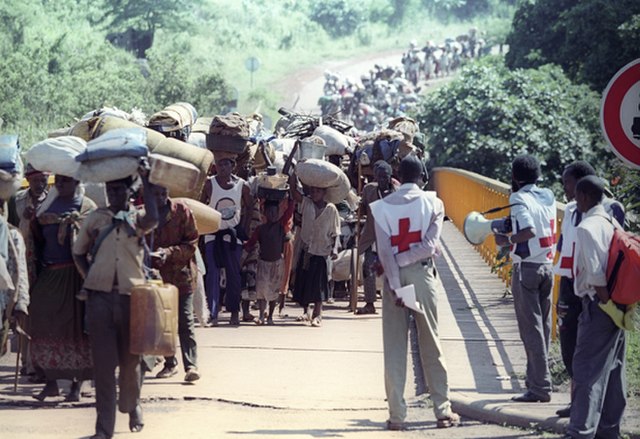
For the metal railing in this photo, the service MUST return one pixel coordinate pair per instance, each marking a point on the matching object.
(463, 192)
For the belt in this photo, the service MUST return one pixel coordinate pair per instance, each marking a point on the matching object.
(427, 262)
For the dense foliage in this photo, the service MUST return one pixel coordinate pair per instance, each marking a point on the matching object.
(338, 17)
(464, 9)
(57, 66)
(590, 39)
(489, 114)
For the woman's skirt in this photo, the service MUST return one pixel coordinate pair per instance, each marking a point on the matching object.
(59, 344)
(311, 281)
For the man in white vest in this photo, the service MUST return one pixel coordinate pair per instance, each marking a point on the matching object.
(532, 243)
(569, 305)
(408, 223)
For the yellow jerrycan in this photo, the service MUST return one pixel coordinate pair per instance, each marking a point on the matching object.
(154, 319)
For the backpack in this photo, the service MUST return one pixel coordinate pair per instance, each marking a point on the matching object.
(623, 268)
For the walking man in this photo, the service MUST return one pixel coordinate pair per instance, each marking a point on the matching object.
(173, 247)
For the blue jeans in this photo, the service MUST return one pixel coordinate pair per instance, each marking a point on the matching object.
(231, 264)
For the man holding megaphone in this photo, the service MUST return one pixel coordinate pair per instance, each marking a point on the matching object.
(532, 244)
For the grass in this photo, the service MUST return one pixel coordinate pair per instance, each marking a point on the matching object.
(560, 378)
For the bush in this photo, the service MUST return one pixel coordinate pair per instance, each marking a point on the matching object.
(488, 115)
(338, 18)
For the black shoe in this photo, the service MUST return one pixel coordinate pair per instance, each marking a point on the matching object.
(564, 413)
(531, 397)
(50, 389)
(369, 308)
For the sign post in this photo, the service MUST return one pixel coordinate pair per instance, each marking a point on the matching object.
(620, 114)
(252, 64)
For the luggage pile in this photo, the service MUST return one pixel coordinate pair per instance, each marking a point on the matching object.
(11, 168)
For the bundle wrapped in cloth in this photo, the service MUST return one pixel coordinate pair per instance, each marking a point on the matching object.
(112, 156)
(207, 218)
(337, 143)
(312, 147)
(11, 168)
(57, 155)
(228, 133)
(174, 117)
(322, 174)
(97, 126)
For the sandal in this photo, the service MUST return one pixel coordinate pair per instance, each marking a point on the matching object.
(135, 419)
(449, 421)
(303, 318)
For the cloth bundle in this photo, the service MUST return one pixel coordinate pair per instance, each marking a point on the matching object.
(113, 155)
(57, 155)
(312, 147)
(337, 143)
(322, 174)
(207, 218)
(11, 168)
(11, 181)
(228, 133)
(174, 117)
(102, 125)
(341, 267)
(120, 142)
(9, 153)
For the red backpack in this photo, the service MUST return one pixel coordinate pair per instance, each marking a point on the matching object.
(623, 268)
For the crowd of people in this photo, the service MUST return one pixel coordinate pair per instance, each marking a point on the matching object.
(79, 263)
(389, 91)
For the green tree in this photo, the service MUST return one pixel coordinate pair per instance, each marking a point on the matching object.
(489, 114)
(589, 39)
(337, 17)
(134, 22)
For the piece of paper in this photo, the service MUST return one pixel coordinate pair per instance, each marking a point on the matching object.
(408, 296)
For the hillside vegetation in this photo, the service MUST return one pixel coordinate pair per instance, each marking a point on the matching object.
(64, 58)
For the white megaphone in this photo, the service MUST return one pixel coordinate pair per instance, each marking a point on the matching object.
(476, 227)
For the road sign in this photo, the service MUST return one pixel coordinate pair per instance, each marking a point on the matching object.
(252, 64)
(620, 114)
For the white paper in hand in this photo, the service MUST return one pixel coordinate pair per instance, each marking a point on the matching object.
(408, 296)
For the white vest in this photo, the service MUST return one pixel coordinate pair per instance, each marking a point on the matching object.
(406, 224)
(542, 209)
(564, 265)
(228, 202)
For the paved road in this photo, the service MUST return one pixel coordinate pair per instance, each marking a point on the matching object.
(291, 380)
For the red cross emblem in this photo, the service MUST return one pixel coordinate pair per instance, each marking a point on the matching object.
(404, 237)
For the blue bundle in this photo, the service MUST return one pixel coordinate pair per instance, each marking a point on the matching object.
(10, 153)
(121, 142)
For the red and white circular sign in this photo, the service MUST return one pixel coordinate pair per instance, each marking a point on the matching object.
(620, 114)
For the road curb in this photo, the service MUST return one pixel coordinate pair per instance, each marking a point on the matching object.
(493, 410)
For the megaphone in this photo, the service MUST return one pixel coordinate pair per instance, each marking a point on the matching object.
(476, 227)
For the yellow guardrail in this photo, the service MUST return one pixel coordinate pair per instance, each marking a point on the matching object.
(463, 192)
(51, 180)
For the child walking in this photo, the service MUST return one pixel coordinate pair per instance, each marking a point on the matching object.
(318, 234)
(271, 238)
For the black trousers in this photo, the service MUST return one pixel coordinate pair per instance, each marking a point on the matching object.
(186, 334)
(568, 308)
(108, 320)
